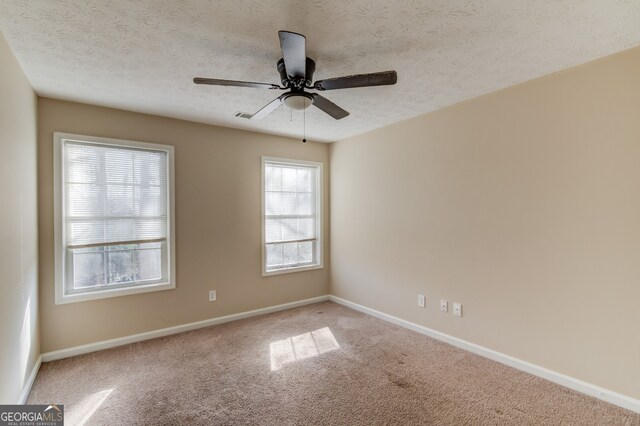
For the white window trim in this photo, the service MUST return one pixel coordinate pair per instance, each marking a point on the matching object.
(319, 209)
(59, 230)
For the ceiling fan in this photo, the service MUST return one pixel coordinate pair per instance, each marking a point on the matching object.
(296, 74)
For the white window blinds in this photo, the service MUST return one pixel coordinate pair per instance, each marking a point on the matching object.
(114, 195)
(114, 206)
(291, 219)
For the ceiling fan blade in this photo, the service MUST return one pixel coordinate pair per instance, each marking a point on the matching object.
(383, 78)
(294, 53)
(329, 107)
(268, 109)
(218, 82)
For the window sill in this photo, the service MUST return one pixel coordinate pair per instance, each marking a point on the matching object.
(291, 270)
(115, 292)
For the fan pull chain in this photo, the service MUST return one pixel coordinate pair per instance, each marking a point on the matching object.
(304, 125)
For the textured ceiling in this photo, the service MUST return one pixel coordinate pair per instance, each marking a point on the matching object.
(141, 55)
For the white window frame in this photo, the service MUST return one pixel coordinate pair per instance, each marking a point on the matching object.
(319, 216)
(59, 222)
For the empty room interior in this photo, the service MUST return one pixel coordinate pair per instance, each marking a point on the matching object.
(320, 212)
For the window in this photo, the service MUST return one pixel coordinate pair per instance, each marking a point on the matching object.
(292, 219)
(113, 217)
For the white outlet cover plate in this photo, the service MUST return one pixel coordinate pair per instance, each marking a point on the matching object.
(212, 295)
(421, 300)
(444, 306)
(457, 309)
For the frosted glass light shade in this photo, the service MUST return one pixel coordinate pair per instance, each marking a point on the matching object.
(297, 102)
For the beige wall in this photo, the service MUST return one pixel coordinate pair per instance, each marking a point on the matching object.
(218, 226)
(19, 340)
(523, 205)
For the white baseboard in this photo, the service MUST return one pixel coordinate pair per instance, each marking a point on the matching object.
(106, 344)
(26, 390)
(553, 376)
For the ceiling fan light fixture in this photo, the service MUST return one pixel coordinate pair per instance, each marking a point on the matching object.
(298, 101)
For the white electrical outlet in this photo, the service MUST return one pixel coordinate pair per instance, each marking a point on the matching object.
(421, 300)
(444, 305)
(212, 296)
(457, 309)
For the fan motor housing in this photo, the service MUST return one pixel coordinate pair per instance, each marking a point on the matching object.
(287, 82)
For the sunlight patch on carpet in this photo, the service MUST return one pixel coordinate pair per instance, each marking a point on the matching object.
(80, 413)
(303, 346)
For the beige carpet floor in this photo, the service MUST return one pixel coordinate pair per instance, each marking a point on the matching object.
(319, 364)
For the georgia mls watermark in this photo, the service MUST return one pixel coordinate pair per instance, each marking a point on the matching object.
(32, 415)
